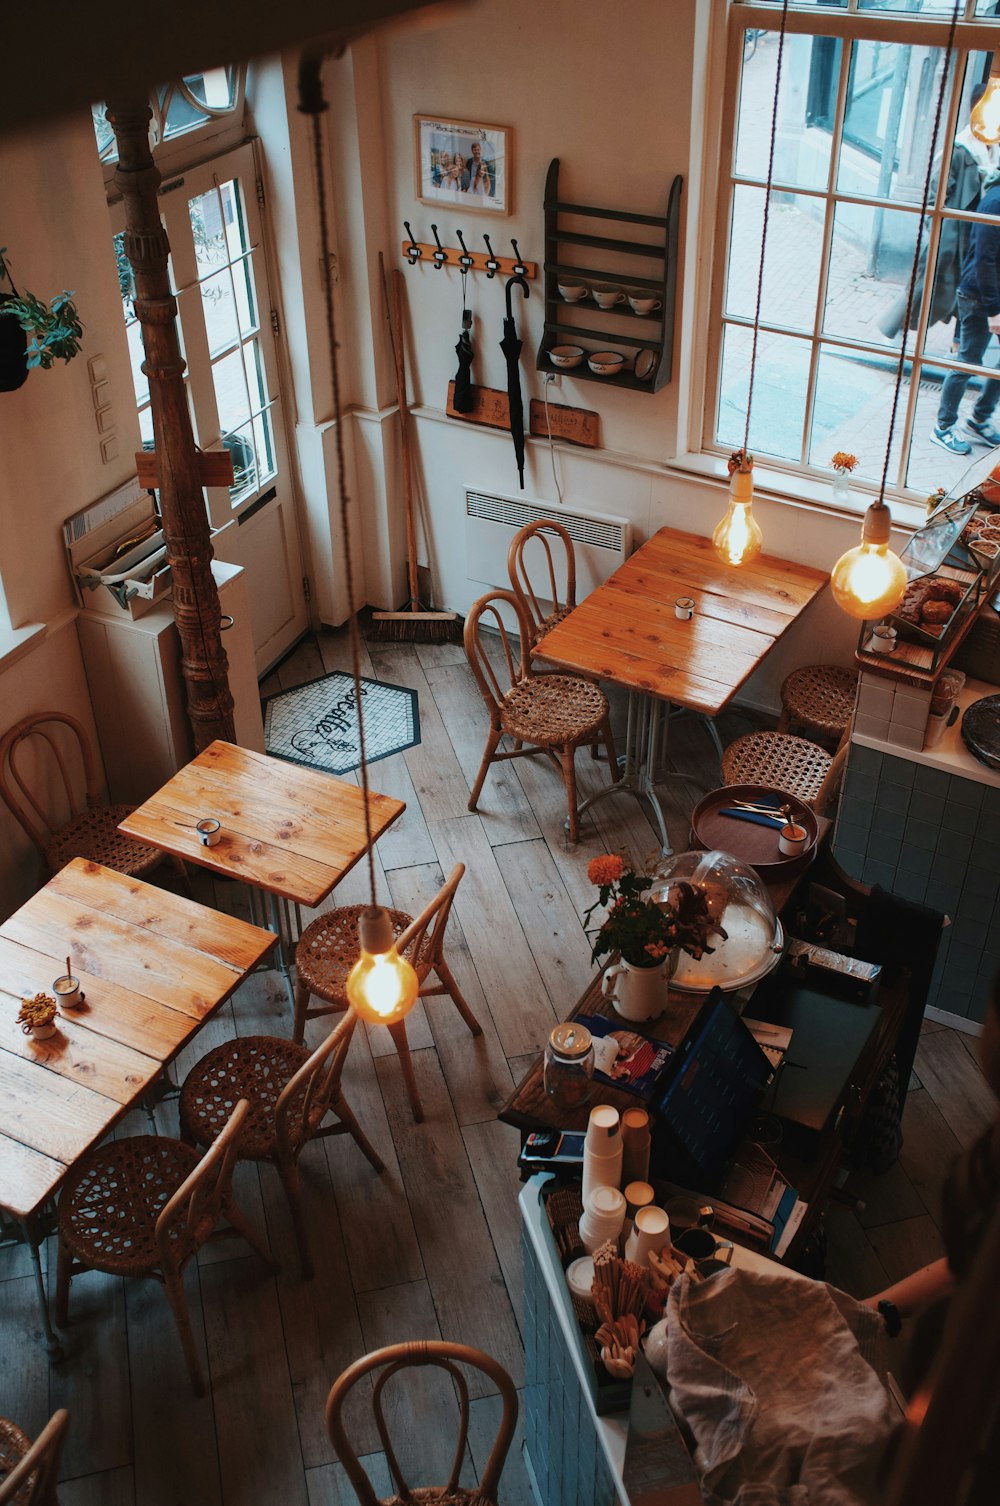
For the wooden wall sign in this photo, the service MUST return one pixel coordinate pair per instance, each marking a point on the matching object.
(575, 425)
(491, 409)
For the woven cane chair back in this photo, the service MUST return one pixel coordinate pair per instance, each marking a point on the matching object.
(443, 1356)
(423, 939)
(307, 1098)
(515, 655)
(196, 1208)
(33, 745)
(535, 539)
(30, 1470)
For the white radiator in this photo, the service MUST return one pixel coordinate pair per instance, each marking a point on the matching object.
(600, 543)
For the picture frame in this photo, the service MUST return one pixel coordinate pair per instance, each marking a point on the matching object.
(463, 164)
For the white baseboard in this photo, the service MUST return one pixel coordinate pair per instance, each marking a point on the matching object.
(955, 1021)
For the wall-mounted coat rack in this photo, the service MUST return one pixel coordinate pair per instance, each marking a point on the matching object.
(460, 256)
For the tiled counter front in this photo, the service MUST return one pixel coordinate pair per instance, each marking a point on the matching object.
(573, 1455)
(934, 837)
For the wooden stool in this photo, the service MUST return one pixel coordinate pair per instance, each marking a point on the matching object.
(819, 698)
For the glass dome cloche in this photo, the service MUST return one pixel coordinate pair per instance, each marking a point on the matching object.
(752, 939)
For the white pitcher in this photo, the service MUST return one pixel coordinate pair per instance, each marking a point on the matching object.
(638, 993)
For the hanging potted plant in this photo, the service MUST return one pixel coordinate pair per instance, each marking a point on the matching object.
(55, 331)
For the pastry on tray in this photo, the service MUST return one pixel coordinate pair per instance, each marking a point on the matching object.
(929, 603)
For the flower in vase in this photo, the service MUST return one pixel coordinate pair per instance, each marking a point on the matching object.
(844, 462)
(643, 930)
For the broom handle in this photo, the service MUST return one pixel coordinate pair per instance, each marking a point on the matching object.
(396, 319)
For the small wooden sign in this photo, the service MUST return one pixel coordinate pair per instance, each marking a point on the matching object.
(215, 468)
(575, 425)
(491, 408)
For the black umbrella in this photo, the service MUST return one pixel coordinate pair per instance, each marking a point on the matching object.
(511, 347)
(463, 399)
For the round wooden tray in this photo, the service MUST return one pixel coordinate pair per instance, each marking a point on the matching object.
(756, 845)
(981, 730)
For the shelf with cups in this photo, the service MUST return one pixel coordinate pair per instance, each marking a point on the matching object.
(618, 297)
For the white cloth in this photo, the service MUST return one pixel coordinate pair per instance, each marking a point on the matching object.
(782, 1383)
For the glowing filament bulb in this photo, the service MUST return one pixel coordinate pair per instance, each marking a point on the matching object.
(382, 986)
(738, 538)
(984, 122)
(869, 580)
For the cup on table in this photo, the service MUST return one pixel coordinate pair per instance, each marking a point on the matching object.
(684, 608)
(650, 1231)
(637, 1195)
(580, 1277)
(209, 831)
(602, 1218)
(793, 839)
(643, 303)
(69, 994)
(571, 289)
(603, 1129)
(883, 639)
(606, 295)
(688, 1212)
(701, 1246)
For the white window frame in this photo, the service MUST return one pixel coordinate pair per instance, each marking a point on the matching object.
(712, 150)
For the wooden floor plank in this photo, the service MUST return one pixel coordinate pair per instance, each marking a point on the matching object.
(559, 943)
(929, 1149)
(459, 1258)
(484, 1419)
(507, 970)
(259, 1453)
(94, 1382)
(887, 1196)
(24, 1365)
(492, 1150)
(328, 1485)
(436, 655)
(438, 780)
(906, 1246)
(114, 1487)
(851, 1262)
(407, 840)
(956, 1084)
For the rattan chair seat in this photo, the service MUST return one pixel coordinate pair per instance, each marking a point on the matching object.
(93, 834)
(552, 710)
(112, 1199)
(775, 759)
(552, 620)
(820, 698)
(254, 1067)
(13, 1446)
(329, 946)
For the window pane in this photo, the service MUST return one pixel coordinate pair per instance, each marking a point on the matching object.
(779, 392)
(221, 322)
(208, 229)
(853, 404)
(214, 88)
(892, 97)
(254, 367)
(791, 263)
(240, 445)
(230, 391)
(870, 264)
(930, 466)
(146, 427)
(914, 7)
(806, 99)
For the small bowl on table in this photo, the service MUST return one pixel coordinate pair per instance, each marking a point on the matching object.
(606, 362)
(566, 356)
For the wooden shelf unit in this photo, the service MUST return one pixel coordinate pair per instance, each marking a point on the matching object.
(561, 330)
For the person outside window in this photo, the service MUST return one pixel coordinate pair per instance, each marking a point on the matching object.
(978, 319)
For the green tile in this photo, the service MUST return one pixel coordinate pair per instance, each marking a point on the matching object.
(991, 799)
(897, 771)
(851, 862)
(920, 833)
(948, 870)
(890, 823)
(982, 881)
(982, 994)
(864, 786)
(966, 791)
(909, 886)
(959, 817)
(955, 844)
(865, 760)
(943, 896)
(926, 807)
(915, 859)
(931, 781)
(875, 872)
(883, 848)
(893, 797)
(851, 835)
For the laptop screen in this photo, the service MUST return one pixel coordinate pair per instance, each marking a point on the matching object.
(710, 1088)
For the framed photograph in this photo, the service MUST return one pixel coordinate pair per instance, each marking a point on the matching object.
(463, 164)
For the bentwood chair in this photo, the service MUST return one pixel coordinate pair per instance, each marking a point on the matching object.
(328, 948)
(439, 1355)
(144, 1206)
(290, 1092)
(554, 713)
(534, 539)
(28, 1471)
(787, 763)
(52, 749)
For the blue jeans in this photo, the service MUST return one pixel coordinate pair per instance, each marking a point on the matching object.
(973, 337)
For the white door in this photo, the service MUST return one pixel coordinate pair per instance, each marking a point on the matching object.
(219, 274)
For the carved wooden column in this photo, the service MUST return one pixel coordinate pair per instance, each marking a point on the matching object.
(185, 519)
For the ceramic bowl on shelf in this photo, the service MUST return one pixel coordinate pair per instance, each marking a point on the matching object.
(606, 362)
(566, 356)
(645, 365)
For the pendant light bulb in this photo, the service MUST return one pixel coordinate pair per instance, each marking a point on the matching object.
(984, 122)
(870, 580)
(738, 537)
(381, 986)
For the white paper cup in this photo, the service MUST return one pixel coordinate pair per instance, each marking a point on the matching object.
(650, 1231)
(580, 1277)
(602, 1218)
(604, 1130)
(209, 832)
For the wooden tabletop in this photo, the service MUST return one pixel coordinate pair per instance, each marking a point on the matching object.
(153, 967)
(291, 831)
(626, 630)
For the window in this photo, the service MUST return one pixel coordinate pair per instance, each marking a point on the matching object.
(179, 108)
(855, 116)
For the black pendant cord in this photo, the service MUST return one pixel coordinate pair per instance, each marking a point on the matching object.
(767, 210)
(311, 91)
(914, 270)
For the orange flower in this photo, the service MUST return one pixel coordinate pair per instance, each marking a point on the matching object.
(606, 869)
(843, 460)
(656, 949)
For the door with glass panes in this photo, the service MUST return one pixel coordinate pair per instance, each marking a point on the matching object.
(218, 272)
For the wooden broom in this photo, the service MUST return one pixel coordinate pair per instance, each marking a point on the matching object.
(413, 622)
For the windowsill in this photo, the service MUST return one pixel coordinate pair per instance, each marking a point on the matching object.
(16, 642)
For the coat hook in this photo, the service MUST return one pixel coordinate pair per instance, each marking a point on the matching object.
(440, 255)
(492, 266)
(465, 260)
(413, 251)
(519, 267)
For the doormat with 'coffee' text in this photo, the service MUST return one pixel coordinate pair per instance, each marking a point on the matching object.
(317, 723)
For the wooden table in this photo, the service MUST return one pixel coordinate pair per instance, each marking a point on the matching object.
(153, 966)
(626, 632)
(290, 831)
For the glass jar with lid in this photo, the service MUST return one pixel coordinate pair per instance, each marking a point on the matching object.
(568, 1068)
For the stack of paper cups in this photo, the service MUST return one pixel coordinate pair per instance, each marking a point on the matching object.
(635, 1141)
(650, 1231)
(602, 1218)
(637, 1195)
(602, 1151)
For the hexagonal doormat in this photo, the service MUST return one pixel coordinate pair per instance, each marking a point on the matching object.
(317, 723)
